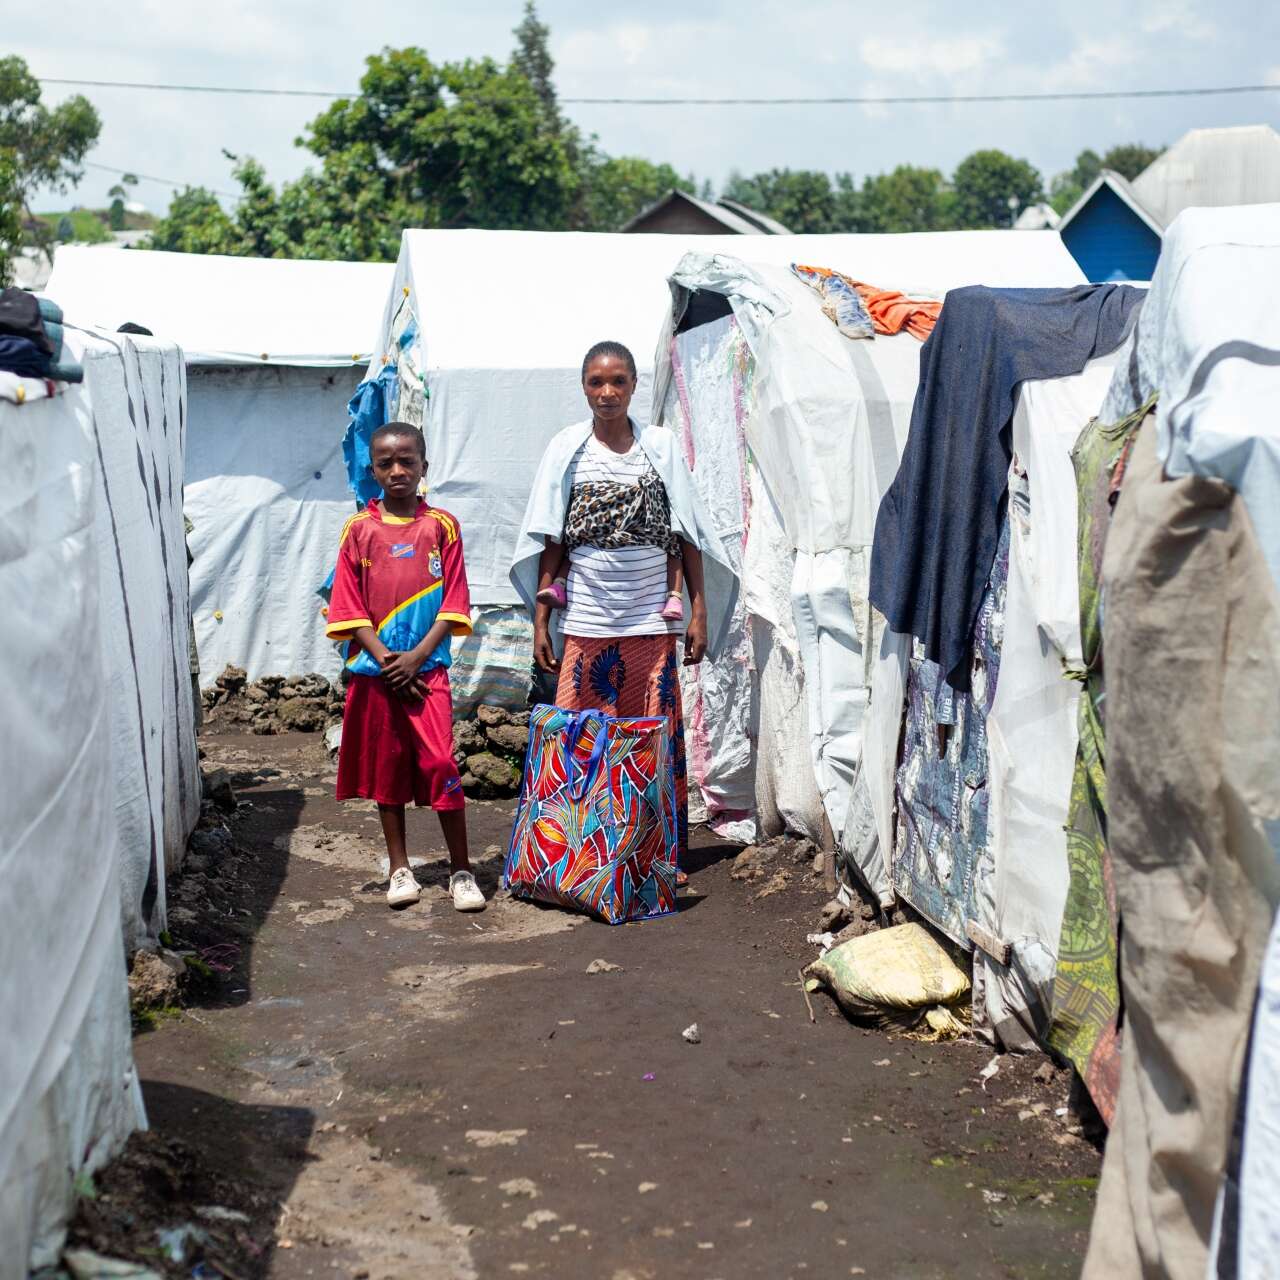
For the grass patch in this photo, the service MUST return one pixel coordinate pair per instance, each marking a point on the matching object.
(86, 226)
(150, 1019)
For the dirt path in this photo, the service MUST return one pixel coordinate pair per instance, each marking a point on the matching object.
(424, 1094)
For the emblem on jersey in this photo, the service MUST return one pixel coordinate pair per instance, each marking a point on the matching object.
(435, 566)
(401, 550)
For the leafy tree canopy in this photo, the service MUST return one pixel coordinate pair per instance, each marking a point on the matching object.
(803, 200)
(984, 185)
(616, 188)
(40, 147)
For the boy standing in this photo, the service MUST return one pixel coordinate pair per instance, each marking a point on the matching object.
(399, 596)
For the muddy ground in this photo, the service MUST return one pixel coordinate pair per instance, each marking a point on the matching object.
(369, 1093)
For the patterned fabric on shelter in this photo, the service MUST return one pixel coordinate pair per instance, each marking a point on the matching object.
(941, 785)
(1086, 1001)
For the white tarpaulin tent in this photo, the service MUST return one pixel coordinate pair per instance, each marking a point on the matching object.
(273, 349)
(503, 319)
(102, 785)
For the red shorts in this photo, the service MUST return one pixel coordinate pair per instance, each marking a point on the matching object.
(399, 752)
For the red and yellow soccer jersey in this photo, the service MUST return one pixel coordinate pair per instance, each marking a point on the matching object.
(398, 576)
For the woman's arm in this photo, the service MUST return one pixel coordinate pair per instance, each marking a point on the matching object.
(695, 637)
(549, 563)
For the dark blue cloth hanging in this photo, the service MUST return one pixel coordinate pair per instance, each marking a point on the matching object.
(939, 522)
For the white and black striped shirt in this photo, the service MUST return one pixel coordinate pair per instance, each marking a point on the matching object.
(618, 591)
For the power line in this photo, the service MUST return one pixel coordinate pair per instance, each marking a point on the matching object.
(146, 177)
(866, 101)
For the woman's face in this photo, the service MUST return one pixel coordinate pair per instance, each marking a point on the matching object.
(609, 386)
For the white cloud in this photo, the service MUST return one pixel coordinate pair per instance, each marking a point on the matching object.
(930, 57)
(1092, 64)
(1180, 18)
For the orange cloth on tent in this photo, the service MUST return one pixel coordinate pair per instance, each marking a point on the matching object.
(892, 312)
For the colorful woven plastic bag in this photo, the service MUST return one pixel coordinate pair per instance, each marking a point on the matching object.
(595, 828)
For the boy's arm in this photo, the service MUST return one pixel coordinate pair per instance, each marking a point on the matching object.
(454, 618)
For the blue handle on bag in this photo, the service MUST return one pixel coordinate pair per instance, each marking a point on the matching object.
(578, 779)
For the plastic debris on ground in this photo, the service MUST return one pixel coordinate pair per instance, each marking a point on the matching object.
(84, 1264)
(691, 1034)
(891, 977)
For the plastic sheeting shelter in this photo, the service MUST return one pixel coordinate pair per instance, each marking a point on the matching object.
(821, 434)
(273, 348)
(499, 363)
(102, 784)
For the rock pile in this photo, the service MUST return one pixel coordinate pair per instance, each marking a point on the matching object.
(489, 751)
(273, 704)
(489, 747)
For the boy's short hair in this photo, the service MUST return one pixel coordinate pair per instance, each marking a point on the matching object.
(400, 429)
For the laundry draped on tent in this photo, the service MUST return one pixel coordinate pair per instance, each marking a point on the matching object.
(938, 526)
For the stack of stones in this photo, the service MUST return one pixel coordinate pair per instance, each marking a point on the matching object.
(489, 745)
(489, 750)
(274, 704)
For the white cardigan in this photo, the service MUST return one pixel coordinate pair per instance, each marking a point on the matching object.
(549, 499)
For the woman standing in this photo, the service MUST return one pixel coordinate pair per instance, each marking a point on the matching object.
(618, 499)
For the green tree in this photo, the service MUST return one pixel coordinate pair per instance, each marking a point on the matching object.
(11, 229)
(456, 145)
(990, 187)
(616, 188)
(908, 199)
(532, 58)
(40, 147)
(196, 223)
(119, 193)
(1131, 158)
(1066, 188)
(801, 199)
(465, 144)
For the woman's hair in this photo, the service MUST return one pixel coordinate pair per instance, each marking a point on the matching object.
(406, 429)
(614, 349)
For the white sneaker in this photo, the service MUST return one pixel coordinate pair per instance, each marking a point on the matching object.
(465, 892)
(403, 889)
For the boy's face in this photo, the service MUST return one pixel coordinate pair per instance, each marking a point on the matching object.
(398, 466)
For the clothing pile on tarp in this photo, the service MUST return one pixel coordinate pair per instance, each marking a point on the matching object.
(102, 784)
(31, 339)
(273, 350)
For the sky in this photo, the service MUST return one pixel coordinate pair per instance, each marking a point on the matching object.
(670, 48)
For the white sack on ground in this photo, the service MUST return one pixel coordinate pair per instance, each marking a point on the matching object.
(266, 494)
(68, 1093)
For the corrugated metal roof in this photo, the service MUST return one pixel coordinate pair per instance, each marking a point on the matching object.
(1211, 168)
(770, 226)
(730, 221)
